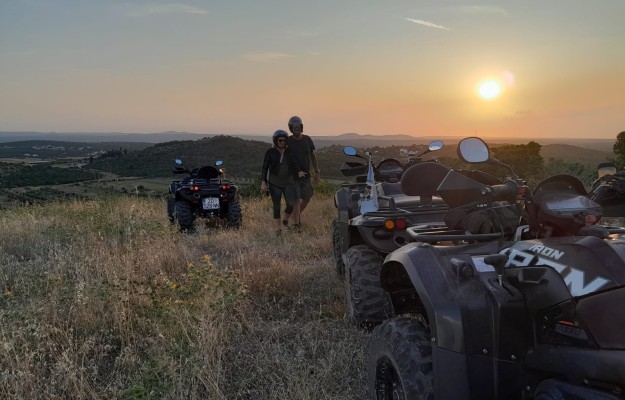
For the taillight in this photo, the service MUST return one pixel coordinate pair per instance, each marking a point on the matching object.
(195, 188)
(225, 187)
(396, 224)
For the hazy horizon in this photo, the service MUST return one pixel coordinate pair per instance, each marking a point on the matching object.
(547, 69)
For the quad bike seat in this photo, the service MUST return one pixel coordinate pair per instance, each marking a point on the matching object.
(208, 172)
(417, 187)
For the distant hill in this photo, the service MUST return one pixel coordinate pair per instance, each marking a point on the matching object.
(100, 137)
(354, 139)
(576, 154)
(242, 158)
(47, 149)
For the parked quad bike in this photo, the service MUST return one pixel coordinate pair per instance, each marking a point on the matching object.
(609, 190)
(489, 312)
(373, 215)
(203, 193)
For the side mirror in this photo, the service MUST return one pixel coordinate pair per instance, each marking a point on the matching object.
(178, 161)
(219, 163)
(349, 151)
(473, 150)
(435, 145)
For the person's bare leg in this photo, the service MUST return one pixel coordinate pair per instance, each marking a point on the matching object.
(277, 227)
(296, 211)
(302, 205)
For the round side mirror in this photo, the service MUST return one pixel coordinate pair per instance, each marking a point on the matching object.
(219, 163)
(435, 145)
(473, 150)
(349, 151)
(178, 161)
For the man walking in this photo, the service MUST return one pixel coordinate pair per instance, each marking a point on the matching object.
(303, 150)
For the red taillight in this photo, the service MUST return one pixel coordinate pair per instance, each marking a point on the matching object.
(195, 189)
(401, 224)
(225, 187)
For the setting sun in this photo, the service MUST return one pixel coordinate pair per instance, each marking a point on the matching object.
(488, 90)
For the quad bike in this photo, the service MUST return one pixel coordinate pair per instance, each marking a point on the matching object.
(203, 193)
(502, 307)
(609, 190)
(372, 219)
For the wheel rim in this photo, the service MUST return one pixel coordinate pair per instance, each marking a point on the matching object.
(387, 383)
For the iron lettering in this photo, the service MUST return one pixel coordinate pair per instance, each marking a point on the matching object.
(574, 278)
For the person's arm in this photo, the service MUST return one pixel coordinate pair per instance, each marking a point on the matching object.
(313, 161)
(265, 171)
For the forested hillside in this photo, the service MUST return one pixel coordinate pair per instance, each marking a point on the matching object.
(242, 158)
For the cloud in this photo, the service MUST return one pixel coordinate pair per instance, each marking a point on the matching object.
(160, 9)
(427, 23)
(266, 57)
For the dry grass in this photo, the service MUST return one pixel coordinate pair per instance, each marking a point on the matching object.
(104, 299)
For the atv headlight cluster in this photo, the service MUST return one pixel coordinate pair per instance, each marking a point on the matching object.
(561, 326)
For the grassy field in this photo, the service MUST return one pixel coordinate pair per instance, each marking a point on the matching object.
(104, 299)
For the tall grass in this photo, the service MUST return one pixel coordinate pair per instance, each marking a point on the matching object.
(104, 299)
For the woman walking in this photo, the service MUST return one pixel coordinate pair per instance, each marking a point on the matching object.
(279, 175)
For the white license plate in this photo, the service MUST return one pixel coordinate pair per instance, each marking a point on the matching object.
(210, 203)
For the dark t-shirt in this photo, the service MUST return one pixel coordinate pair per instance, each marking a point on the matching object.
(301, 150)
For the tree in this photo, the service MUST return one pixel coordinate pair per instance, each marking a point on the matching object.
(525, 159)
(619, 150)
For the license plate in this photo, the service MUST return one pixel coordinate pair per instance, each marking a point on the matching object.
(210, 203)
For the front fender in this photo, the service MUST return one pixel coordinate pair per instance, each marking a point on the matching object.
(419, 268)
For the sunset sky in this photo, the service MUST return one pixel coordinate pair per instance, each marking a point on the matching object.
(364, 66)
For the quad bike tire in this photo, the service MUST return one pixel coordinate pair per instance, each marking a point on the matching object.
(184, 215)
(336, 247)
(399, 361)
(367, 303)
(171, 206)
(235, 217)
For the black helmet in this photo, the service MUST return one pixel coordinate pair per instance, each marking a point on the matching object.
(279, 134)
(295, 120)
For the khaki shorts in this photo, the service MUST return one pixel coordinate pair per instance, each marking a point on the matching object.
(304, 189)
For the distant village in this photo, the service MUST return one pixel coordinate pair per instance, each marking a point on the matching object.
(63, 149)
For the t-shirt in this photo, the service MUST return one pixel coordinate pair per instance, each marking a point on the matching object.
(301, 150)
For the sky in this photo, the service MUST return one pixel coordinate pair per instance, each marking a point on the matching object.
(344, 66)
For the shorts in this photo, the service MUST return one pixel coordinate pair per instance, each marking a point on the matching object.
(304, 189)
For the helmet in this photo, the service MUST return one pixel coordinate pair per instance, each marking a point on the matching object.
(295, 120)
(279, 134)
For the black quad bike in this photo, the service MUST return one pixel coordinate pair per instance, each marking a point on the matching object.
(609, 190)
(203, 193)
(373, 215)
(493, 309)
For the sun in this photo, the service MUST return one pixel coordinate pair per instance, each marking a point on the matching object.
(489, 90)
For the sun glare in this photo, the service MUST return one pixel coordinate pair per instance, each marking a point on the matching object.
(489, 90)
